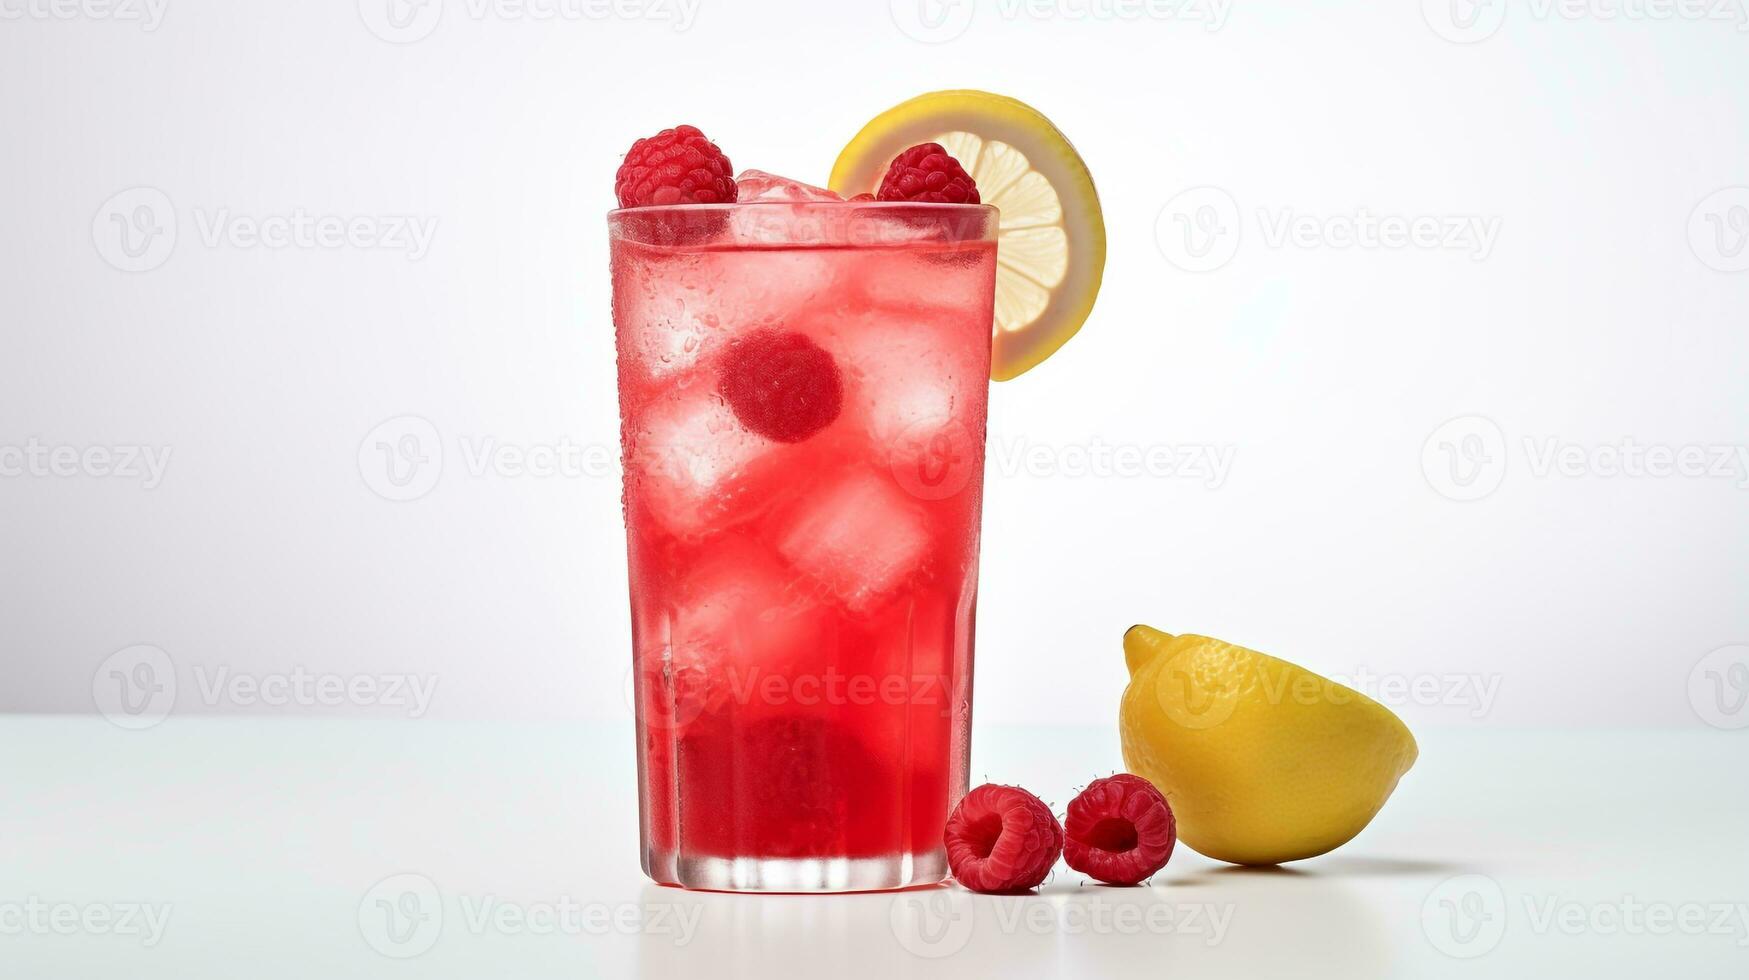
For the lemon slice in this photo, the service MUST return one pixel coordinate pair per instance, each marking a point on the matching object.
(1051, 247)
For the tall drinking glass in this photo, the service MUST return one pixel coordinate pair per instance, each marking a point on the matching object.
(802, 402)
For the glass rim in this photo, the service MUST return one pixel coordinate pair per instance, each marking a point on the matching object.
(805, 223)
(660, 209)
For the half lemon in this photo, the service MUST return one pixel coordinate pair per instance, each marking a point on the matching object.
(1051, 245)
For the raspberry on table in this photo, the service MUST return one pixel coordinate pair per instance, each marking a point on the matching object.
(1119, 830)
(675, 166)
(927, 172)
(781, 385)
(1001, 840)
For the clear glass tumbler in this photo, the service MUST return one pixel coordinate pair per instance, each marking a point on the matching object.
(802, 399)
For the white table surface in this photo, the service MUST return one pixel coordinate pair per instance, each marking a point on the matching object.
(277, 848)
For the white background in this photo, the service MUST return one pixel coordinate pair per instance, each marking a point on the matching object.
(1610, 306)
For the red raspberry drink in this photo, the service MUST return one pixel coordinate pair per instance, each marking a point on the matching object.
(802, 394)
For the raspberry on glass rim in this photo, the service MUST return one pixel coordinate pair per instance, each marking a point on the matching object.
(929, 174)
(675, 166)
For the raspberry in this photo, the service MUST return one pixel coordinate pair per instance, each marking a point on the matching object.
(1120, 830)
(781, 385)
(1002, 839)
(926, 172)
(675, 166)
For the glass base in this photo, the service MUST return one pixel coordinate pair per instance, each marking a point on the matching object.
(797, 874)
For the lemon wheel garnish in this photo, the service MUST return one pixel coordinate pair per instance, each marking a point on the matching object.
(1051, 247)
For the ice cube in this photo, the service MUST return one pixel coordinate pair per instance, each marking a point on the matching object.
(662, 311)
(961, 282)
(858, 539)
(739, 604)
(774, 224)
(907, 367)
(757, 186)
(692, 461)
(675, 318)
(733, 619)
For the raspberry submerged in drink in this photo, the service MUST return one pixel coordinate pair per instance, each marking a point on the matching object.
(802, 601)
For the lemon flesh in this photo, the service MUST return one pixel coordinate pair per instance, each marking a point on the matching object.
(1263, 761)
(1051, 244)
